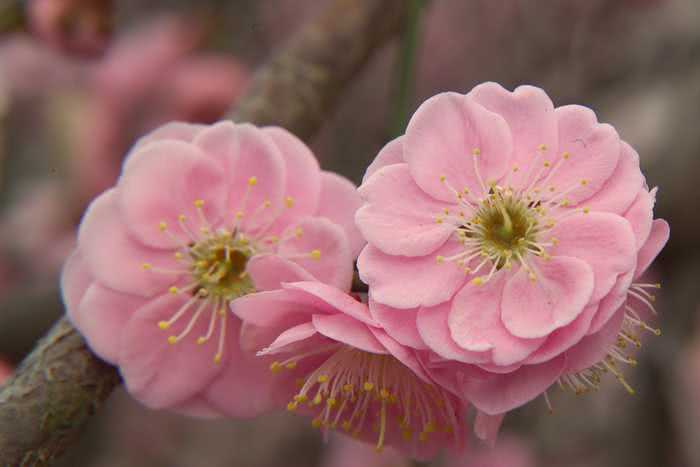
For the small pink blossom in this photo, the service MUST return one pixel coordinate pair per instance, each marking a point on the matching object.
(335, 363)
(200, 216)
(508, 233)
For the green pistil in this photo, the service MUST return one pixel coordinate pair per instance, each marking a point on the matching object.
(219, 266)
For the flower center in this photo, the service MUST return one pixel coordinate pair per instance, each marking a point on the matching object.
(365, 392)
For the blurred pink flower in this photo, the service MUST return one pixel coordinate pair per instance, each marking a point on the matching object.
(510, 452)
(78, 26)
(200, 216)
(508, 232)
(346, 452)
(336, 364)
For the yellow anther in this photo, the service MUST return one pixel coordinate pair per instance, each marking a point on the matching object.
(147, 266)
(565, 155)
(430, 427)
(552, 189)
(476, 152)
(584, 182)
(274, 239)
(442, 179)
(201, 340)
(182, 218)
(292, 406)
(267, 203)
(423, 436)
(315, 255)
(440, 259)
(162, 226)
(542, 147)
(477, 281)
(446, 211)
(172, 340)
(163, 325)
(368, 386)
(323, 379)
(300, 398)
(298, 232)
(586, 210)
(252, 181)
(346, 425)
(178, 255)
(289, 202)
(331, 402)
(531, 275)
(384, 393)
(291, 365)
(198, 203)
(515, 168)
(438, 220)
(547, 164)
(217, 358)
(173, 290)
(316, 423)
(348, 387)
(204, 230)
(317, 400)
(239, 214)
(407, 434)
(275, 367)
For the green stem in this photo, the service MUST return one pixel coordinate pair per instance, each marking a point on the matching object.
(405, 71)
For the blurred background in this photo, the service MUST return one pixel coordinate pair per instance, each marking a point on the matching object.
(81, 79)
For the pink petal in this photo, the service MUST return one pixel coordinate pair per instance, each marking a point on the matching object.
(327, 299)
(592, 349)
(564, 338)
(594, 151)
(401, 353)
(339, 203)
(290, 336)
(114, 257)
(440, 140)
(640, 215)
(244, 152)
(609, 305)
(534, 309)
(394, 203)
(75, 280)
(253, 339)
(500, 393)
(103, 317)
(433, 330)
(273, 308)
(403, 282)
(302, 177)
(399, 324)
(620, 190)
(268, 272)
(604, 241)
(164, 184)
(160, 374)
(320, 236)
(487, 427)
(530, 115)
(475, 323)
(346, 329)
(391, 153)
(657, 239)
(178, 131)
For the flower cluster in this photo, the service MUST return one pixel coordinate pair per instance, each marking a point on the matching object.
(502, 240)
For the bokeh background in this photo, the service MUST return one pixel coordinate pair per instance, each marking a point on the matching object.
(84, 78)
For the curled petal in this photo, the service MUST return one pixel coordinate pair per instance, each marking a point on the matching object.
(391, 153)
(75, 280)
(268, 272)
(618, 193)
(399, 324)
(652, 247)
(640, 215)
(346, 329)
(178, 131)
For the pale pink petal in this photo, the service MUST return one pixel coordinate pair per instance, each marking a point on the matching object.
(403, 282)
(178, 131)
(401, 353)
(593, 152)
(620, 190)
(441, 138)
(327, 299)
(497, 394)
(394, 203)
(273, 308)
(103, 317)
(563, 288)
(160, 374)
(302, 177)
(290, 336)
(165, 184)
(612, 302)
(487, 427)
(268, 272)
(652, 247)
(604, 241)
(117, 259)
(530, 115)
(564, 338)
(592, 349)
(339, 202)
(322, 249)
(399, 324)
(254, 171)
(433, 330)
(75, 280)
(640, 215)
(391, 153)
(346, 329)
(253, 339)
(475, 323)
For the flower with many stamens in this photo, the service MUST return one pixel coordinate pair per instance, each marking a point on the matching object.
(200, 216)
(504, 234)
(337, 365)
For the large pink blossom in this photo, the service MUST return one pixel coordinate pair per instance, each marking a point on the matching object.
(335, 363)
(200, 216)
(508, 233)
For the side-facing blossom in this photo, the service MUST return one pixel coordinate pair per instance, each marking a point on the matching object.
(336, 364)
(508, 233)
(200, 216)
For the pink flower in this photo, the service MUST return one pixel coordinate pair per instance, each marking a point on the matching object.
(336, 364)
(200, 216)
(510, 452)
(346, 452)
(508, 233)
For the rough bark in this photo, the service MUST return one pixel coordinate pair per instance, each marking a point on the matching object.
(61, 383)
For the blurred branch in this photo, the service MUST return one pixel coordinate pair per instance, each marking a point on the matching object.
(60, 384)
(12, 15)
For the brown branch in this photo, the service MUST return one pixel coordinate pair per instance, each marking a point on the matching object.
(60, 384)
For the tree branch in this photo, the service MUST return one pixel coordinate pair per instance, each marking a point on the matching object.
(61, 383)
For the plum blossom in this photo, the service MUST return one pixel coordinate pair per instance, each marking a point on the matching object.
(337, 365)
(200, 216)
(505, 234)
